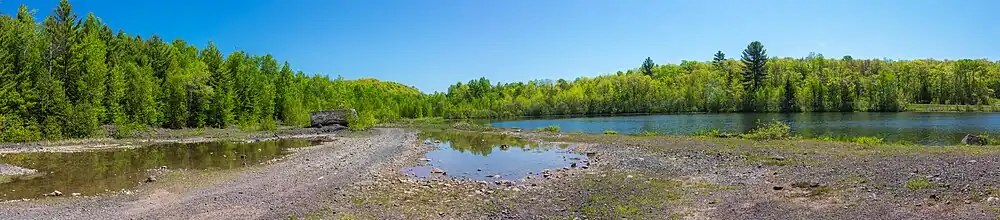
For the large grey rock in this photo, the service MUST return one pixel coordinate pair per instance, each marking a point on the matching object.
(331, 117)
(974, 140)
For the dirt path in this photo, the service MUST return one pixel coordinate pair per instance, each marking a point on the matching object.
(298, 184)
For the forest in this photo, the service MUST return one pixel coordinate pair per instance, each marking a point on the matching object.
(72, 77)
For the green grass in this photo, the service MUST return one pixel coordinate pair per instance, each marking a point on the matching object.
(952, 108)
(610, 132)
(920, 183)
(550, 128)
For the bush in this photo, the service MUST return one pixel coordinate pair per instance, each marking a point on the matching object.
(550, 128)
(13, 129)
(610, 132)
(363, 121)
(774, 130)
(869, 140)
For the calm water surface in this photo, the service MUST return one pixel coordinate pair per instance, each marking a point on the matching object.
(96, 172)
(482, 156)
(923, 128)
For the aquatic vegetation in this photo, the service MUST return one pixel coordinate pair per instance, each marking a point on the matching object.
(610, 132)
(775, 130)
(550, 128)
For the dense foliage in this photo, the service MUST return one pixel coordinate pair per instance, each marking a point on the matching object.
(67, 76)
(755, 83)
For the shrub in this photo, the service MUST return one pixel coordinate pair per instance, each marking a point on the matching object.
(774, 130)
(610, 132)
(363, 121)
(550, 128)
(869, 140)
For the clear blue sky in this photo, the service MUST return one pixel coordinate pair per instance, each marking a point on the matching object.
(434, 43)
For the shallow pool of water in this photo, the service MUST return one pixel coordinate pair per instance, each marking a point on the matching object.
(95, 172)
(491, 157)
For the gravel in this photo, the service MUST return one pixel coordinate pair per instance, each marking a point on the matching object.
(295, 185)
(11, 170)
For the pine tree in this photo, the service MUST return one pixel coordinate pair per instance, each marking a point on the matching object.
(755, 60)
(788, 100)
(647, 67)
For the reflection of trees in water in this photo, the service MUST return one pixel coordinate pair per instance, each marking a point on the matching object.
(94, 171)
(479, 143)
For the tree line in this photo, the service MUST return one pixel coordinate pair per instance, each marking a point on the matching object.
(72, 77)
(753, 83)
(66, 77)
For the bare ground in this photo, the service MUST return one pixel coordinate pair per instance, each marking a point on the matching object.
(628, 177)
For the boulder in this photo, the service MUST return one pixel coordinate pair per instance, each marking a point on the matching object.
(331, 117)
(53, 193)
(974, 140)
(150, 179)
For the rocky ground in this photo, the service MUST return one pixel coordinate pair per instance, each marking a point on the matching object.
(295, 185)
(632, 177)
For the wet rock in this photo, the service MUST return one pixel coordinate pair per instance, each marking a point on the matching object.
(572, 165)
(53, 193)
(778, 187)
(437, 141)
(973, 140)
(425, 159)
(150, 179)
(504, 147)
(495, 176)
(436, 170)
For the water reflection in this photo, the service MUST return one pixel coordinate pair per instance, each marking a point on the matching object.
(923, 128)
(490, 157)
(94, 172)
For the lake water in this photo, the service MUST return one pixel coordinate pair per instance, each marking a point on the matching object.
(95, 172)
(488, 156)
(923, 128)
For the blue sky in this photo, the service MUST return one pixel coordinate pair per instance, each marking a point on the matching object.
(431, 44)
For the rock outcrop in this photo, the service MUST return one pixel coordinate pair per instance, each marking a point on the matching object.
(331, 117)
(974, 140)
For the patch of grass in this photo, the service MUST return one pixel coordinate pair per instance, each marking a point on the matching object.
(771, 160)
(610, 132)
(714, 133)
(620, 195)
(550, 128)
(920, 183)
(775, 130)
(651, 133)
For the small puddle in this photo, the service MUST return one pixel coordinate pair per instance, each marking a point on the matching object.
(95, 172)
(488, 156)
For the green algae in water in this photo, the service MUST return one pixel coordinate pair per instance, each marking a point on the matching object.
(94, 172)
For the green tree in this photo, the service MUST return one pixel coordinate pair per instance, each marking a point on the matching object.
(755, 60)
(647, 66)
